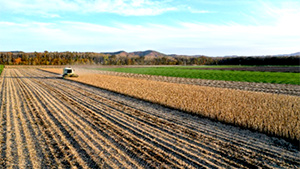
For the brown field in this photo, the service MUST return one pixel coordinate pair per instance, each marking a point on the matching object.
(286, 89)
(270, 113)
(49, 122)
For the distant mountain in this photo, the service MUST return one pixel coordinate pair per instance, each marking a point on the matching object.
(122, 52)
(278, 55)
(149, 53)
(231, 56)
(12, 51)
(294, 54)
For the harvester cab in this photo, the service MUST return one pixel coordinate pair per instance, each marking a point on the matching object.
(69, 72)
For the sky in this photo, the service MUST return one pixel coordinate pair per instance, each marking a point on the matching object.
(190, 27)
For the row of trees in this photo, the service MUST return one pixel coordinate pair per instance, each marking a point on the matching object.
(45, 58)
(73, 58)
(288, 60)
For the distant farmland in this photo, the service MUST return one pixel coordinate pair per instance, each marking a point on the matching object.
(1, 68)
(209, 72)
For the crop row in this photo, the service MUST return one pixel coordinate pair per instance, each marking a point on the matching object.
(286, 89)
(49, 122)
(293, 69)
(270, 113)
(227, 75)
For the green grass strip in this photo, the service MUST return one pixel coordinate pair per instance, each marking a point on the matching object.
(228, 75)
(1, 68)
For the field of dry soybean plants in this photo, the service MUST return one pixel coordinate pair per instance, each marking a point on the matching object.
(286, 89)
(50, 122)
(270, 113)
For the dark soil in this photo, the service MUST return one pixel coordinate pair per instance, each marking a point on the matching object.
(258, 68)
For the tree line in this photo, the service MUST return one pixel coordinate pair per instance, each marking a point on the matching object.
(268, 60)
(80, 58)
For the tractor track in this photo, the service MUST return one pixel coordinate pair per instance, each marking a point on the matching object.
(49, 122)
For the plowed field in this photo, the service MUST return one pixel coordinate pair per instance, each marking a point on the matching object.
(48, 122)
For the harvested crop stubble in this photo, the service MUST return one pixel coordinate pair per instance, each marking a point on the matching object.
(49, 122)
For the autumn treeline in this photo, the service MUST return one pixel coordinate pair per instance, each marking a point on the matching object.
(268, 60)
(73, 58)
(79, 58)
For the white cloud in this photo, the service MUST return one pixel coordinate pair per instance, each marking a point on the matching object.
(192, 10)
(49, 15)
(277, 12)
(9, 24)
(122, 7)
(185, 38)
(279, 34)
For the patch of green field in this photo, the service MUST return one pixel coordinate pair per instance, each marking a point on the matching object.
(228, 75)
(208, 66)
(1, 68)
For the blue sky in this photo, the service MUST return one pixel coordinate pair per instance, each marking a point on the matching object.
(193, 27)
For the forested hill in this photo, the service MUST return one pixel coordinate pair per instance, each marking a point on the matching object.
(148, 57)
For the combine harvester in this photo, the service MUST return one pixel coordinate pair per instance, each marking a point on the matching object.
(69, 72)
